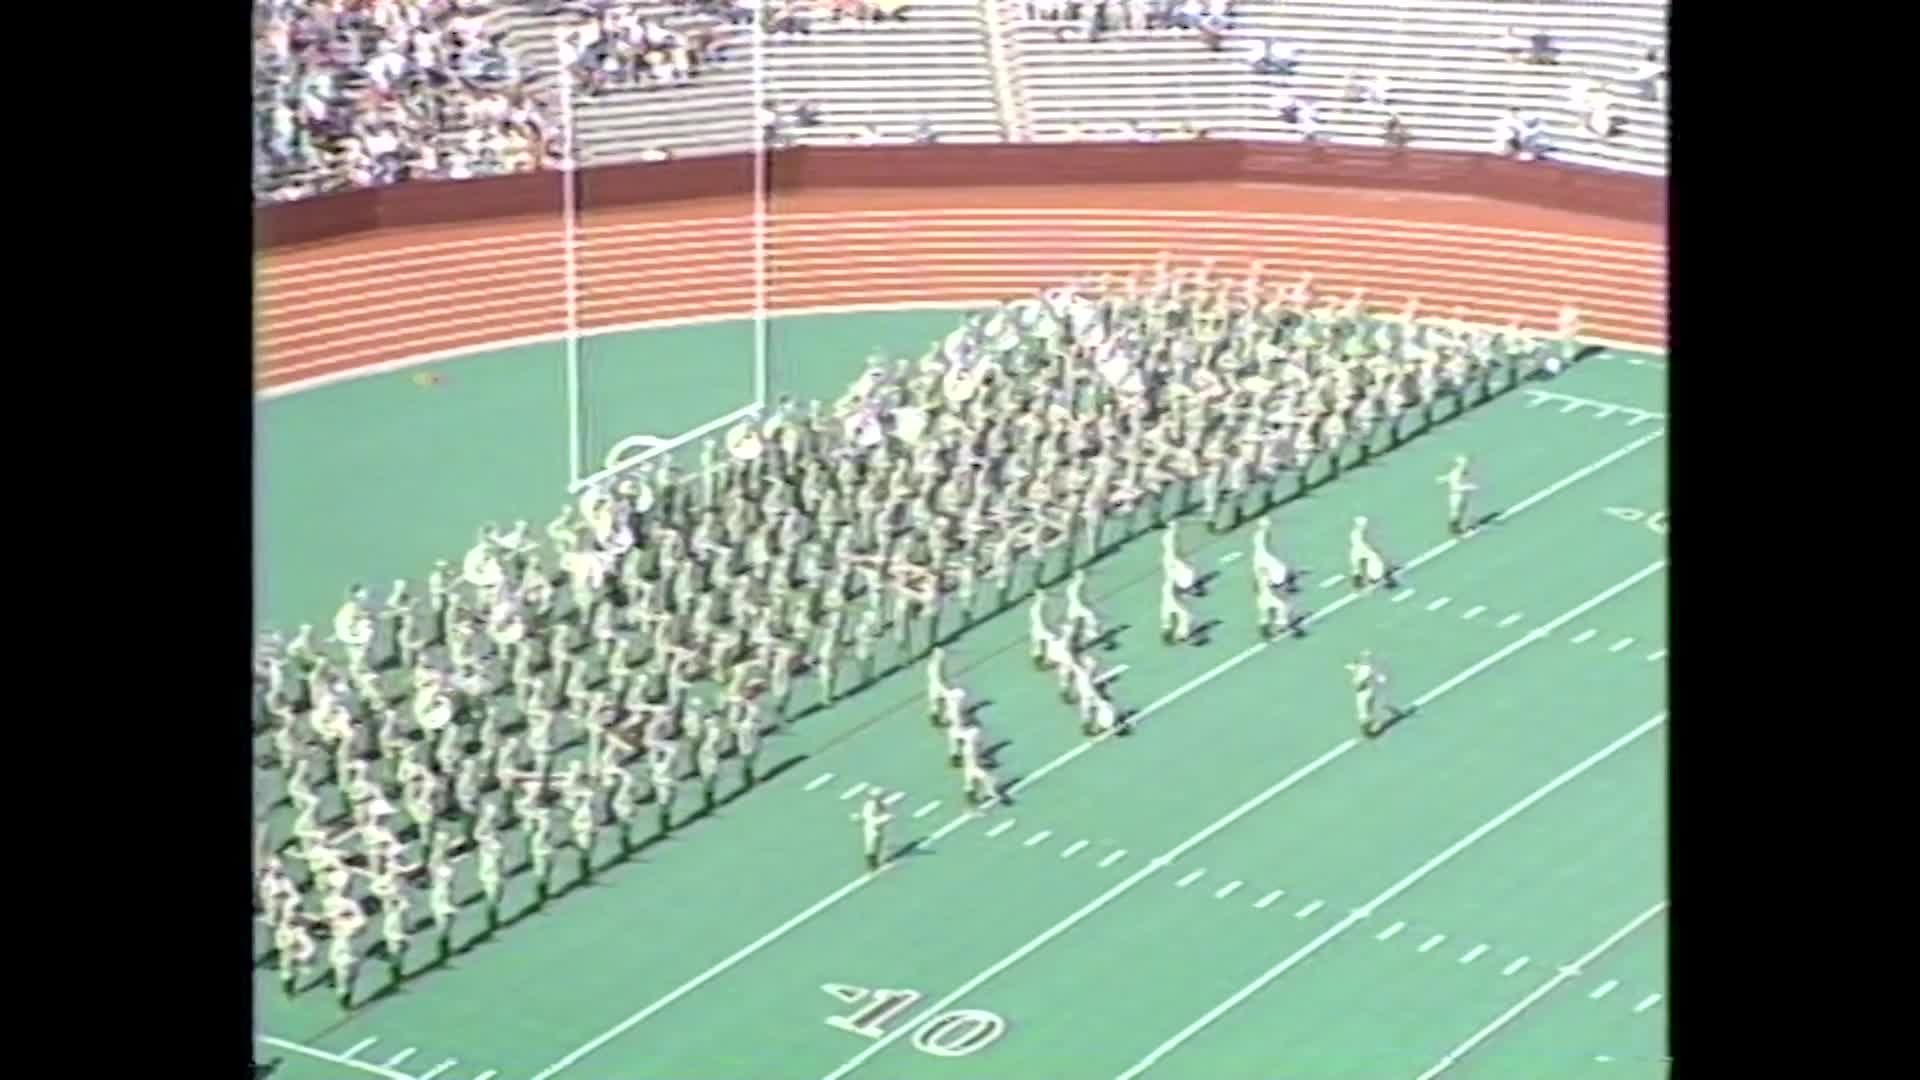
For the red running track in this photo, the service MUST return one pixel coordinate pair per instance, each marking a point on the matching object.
(379, 300)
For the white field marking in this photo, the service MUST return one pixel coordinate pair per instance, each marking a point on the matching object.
(359, 1046)
(893, 798)
(1332, 581)
(1647, 1002)
(1110, 674)
(1440, 603)
(1472, 611)
(401, 1056)
(820, 781)
(1473, 954)
(1227, 890)
(1515, 966)
(927, 809)
(1387, 896)
(1584, 636)
(1511, 619)
(1114, 891)
(1432, 943)
(1113, 858)
(855, 884)
(488, 1075)
(852, 791)
(1073, 849)
(1309, 909)
(1657, 654)
(335, 1059)
(1543, 631)
(438, 1069)
(1229, 556)
(1039, 837)
(1189, 879)
(1390, 931)
(1603, 989)
(1621, 644)
(1000, 828)
(1539, 992)
(1403, 594)
(1571, 406)
(1270, 898)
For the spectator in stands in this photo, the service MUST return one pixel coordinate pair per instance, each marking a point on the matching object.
(655, 153)
(1649, 78)
(1529, 45)
(923, 132)
(1518, 135)
(1372, 89)
(1395, 133)
(1272, 56)
(869, 135)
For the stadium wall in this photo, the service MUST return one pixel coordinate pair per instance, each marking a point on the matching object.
(384, 276)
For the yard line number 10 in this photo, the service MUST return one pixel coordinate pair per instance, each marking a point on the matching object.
(954, 1033)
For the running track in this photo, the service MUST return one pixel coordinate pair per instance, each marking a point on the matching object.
(379, 301)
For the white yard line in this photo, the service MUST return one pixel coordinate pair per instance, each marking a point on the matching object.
(927, 809)
(335, 1059)
(1472, 611)
(401, 1056)
(1511, 619)
(1432, 943)
(1073, 849)
(440, 1068)
(819, 781)
(1270, 898)
(359, 1046)
(1387, 896)
(1390, 931)
(1330, 582)
(1621, 644)
(488, 1075)
(1657, 654)
(1515, 966)
(1113, 858)
(1000, 828)
(854, 885)
(1227, 890)
(893, 798)
(1473, 954)
(1584, 636)
(1189, 879)
(1309, 909)
(1440, 603)
(852, 791)
(1647, 1002)
(1603, 989)
(1539, 992)
(1113, 892)
(1039, 837)
(1401, 596)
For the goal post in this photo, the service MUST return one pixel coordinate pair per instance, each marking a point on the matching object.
(585, 466)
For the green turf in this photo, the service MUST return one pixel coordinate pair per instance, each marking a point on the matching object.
(1550, 884)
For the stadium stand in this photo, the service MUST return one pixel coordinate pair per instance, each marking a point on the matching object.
(355, 94)
(1581, 83)
(1450, 70)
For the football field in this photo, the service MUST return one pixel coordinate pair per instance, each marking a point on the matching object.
(1244, 888)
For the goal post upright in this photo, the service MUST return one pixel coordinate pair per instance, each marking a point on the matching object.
(569, 245)
(760, 196)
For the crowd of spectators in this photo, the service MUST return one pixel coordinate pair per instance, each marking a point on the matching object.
(632, 45)
(355, 93)
(1087, 20)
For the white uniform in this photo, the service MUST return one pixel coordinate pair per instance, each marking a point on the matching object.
(1365, 561)
(1459, 485)
(1176, 622)
(873, 828)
